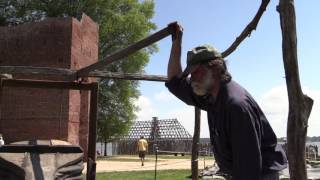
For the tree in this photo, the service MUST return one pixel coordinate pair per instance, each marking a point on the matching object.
(121, 23)
(300, 105)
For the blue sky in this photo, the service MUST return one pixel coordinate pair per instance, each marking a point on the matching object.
(256, 64)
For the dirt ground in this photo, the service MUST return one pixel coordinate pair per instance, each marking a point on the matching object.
(112, 166)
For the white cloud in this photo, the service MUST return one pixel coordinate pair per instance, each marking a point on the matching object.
(164, 96)
(274, 103)
(146, 111)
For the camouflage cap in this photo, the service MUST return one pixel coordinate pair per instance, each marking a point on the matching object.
(199, 55)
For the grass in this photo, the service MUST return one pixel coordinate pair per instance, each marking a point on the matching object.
(145, 175)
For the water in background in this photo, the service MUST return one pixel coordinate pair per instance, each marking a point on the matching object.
(314, 143)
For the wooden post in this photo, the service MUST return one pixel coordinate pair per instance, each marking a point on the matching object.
(300, 105)
(91, 163)
(195, 145)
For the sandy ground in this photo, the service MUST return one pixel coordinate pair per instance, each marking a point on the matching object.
(113, 166)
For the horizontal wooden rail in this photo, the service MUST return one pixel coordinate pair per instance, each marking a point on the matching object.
(45, 84)
(61, 73)
(127, 76)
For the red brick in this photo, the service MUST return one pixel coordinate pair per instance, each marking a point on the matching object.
(30, 113)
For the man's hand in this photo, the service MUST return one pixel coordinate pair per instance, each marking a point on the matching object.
(176, 31)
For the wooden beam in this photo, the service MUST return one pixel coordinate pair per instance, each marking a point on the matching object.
(195, 145)
(45, 84)
(127, 76)
(125, 52)
(63, 74)
(300, 105)
(247, 31)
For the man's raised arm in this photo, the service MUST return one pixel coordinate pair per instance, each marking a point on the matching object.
(174, 64)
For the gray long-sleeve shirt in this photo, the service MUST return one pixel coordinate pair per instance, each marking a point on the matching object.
(244, 143)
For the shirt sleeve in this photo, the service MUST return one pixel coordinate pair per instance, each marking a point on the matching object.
(245, 144)
(182, 89)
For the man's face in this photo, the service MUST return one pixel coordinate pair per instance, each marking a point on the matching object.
(201, 79)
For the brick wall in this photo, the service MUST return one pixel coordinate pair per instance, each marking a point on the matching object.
(30, 113)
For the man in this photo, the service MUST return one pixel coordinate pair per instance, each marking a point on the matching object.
(142, 147)
(244, 144)
(1, 140)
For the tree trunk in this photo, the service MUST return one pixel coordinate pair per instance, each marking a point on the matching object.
(195, 145)
(300, 105)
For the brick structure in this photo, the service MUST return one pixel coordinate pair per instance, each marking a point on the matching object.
(31, 113)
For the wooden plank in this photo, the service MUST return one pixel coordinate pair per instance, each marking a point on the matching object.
(127, 76)
(63, 74)
(45, 84)
(125, 52)
(300, 105)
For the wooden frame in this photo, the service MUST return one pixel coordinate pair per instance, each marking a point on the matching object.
(92, 87)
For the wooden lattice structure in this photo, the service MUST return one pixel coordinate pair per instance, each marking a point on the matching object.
(166, 134)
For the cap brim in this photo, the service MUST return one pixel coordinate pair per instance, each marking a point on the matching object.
(187, 71)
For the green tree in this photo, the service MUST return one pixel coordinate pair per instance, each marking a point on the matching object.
(121, 23)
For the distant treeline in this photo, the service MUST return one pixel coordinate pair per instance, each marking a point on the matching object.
(309, 139)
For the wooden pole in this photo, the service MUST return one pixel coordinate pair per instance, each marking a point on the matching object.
(195, 145)
(125, 52)
(60, 73)
(300, 105)
(91, 163)
(127, 76)
(247, 30)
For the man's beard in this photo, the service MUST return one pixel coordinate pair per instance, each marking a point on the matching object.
(204, 87)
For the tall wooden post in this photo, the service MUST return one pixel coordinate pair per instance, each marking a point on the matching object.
(300, 105)
(195, 145)
(91, 164)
